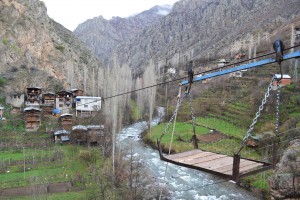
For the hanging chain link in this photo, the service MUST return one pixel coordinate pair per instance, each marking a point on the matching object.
(174, 113)
(192, 114)
(257, 115)
(277, 109)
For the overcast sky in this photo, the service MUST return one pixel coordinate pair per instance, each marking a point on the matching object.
(70, 13)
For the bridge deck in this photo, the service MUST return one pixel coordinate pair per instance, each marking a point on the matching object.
(214, 163)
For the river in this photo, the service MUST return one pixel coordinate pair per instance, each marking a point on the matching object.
(183, 183)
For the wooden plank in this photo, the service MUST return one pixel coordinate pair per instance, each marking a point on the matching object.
(228, 168)
(183, 154)
(194, 157)
(249, 167)
(212, 162)
(245, 165)
(204, 160)
(221, 163)
(221, 159)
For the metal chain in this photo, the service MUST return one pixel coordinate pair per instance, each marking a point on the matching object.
(192, 114)
(257, 115)
(194, 137)
(174, 113)
(277, 109)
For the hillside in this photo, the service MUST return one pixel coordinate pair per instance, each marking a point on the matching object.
(37, 51)
(103, 36)
(199, 30)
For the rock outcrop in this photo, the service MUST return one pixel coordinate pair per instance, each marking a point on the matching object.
(200, 30)
(103, 36)
(37, 51)
(285, 181)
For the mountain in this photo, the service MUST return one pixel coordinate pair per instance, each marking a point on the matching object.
(37, 51)
(103, 36)
(198, 29)
(193, 30)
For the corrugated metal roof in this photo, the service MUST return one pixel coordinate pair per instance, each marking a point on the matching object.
(39, 88)
(79, 127)
(66, 115)
(95, 126)
(32, 108)
(59, 132)
(87, 97)
(283, 76)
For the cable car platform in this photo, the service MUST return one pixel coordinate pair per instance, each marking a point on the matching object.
(231, 167)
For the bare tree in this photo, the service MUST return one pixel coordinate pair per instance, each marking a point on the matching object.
(150, 79)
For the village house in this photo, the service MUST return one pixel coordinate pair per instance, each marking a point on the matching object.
(222, 62)
(15, 100)
(79, 134)
(237, 74)
(48, 103)
(32, 118)
(87, 106)
(1, 112)
(33, 97)
(64, 101)
(66, 121)
(297, 32)
(62, 136)
(76, 92)
(286, 80)
(95, 134)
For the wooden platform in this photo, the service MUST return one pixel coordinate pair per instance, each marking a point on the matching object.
(218, 164)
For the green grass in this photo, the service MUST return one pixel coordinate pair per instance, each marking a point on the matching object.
(56, 196)
(59, 170)
(182, 130)
(259, 181)
(222, 126)
(227, 146)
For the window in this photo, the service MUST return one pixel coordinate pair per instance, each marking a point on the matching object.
(86, 106)
(60, 105)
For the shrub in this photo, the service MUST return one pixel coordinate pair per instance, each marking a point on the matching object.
(87, 156)
(4, 41)
(58, 155)
(60, 47)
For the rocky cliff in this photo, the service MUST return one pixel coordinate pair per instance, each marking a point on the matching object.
(37, 51)
(197, 30)
(103, 36)
(285, 181)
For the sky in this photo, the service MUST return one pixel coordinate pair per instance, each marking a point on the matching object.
(70, 13)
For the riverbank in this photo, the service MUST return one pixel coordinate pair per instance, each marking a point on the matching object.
(213, 139)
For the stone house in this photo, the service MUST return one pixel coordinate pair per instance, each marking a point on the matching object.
(16, 101)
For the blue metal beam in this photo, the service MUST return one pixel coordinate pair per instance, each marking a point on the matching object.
(243, 67)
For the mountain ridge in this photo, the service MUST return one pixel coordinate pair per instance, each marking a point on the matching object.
(113, 32)
(37, 51)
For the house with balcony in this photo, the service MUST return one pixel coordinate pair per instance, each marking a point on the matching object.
(63, 101)
(87, 105)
